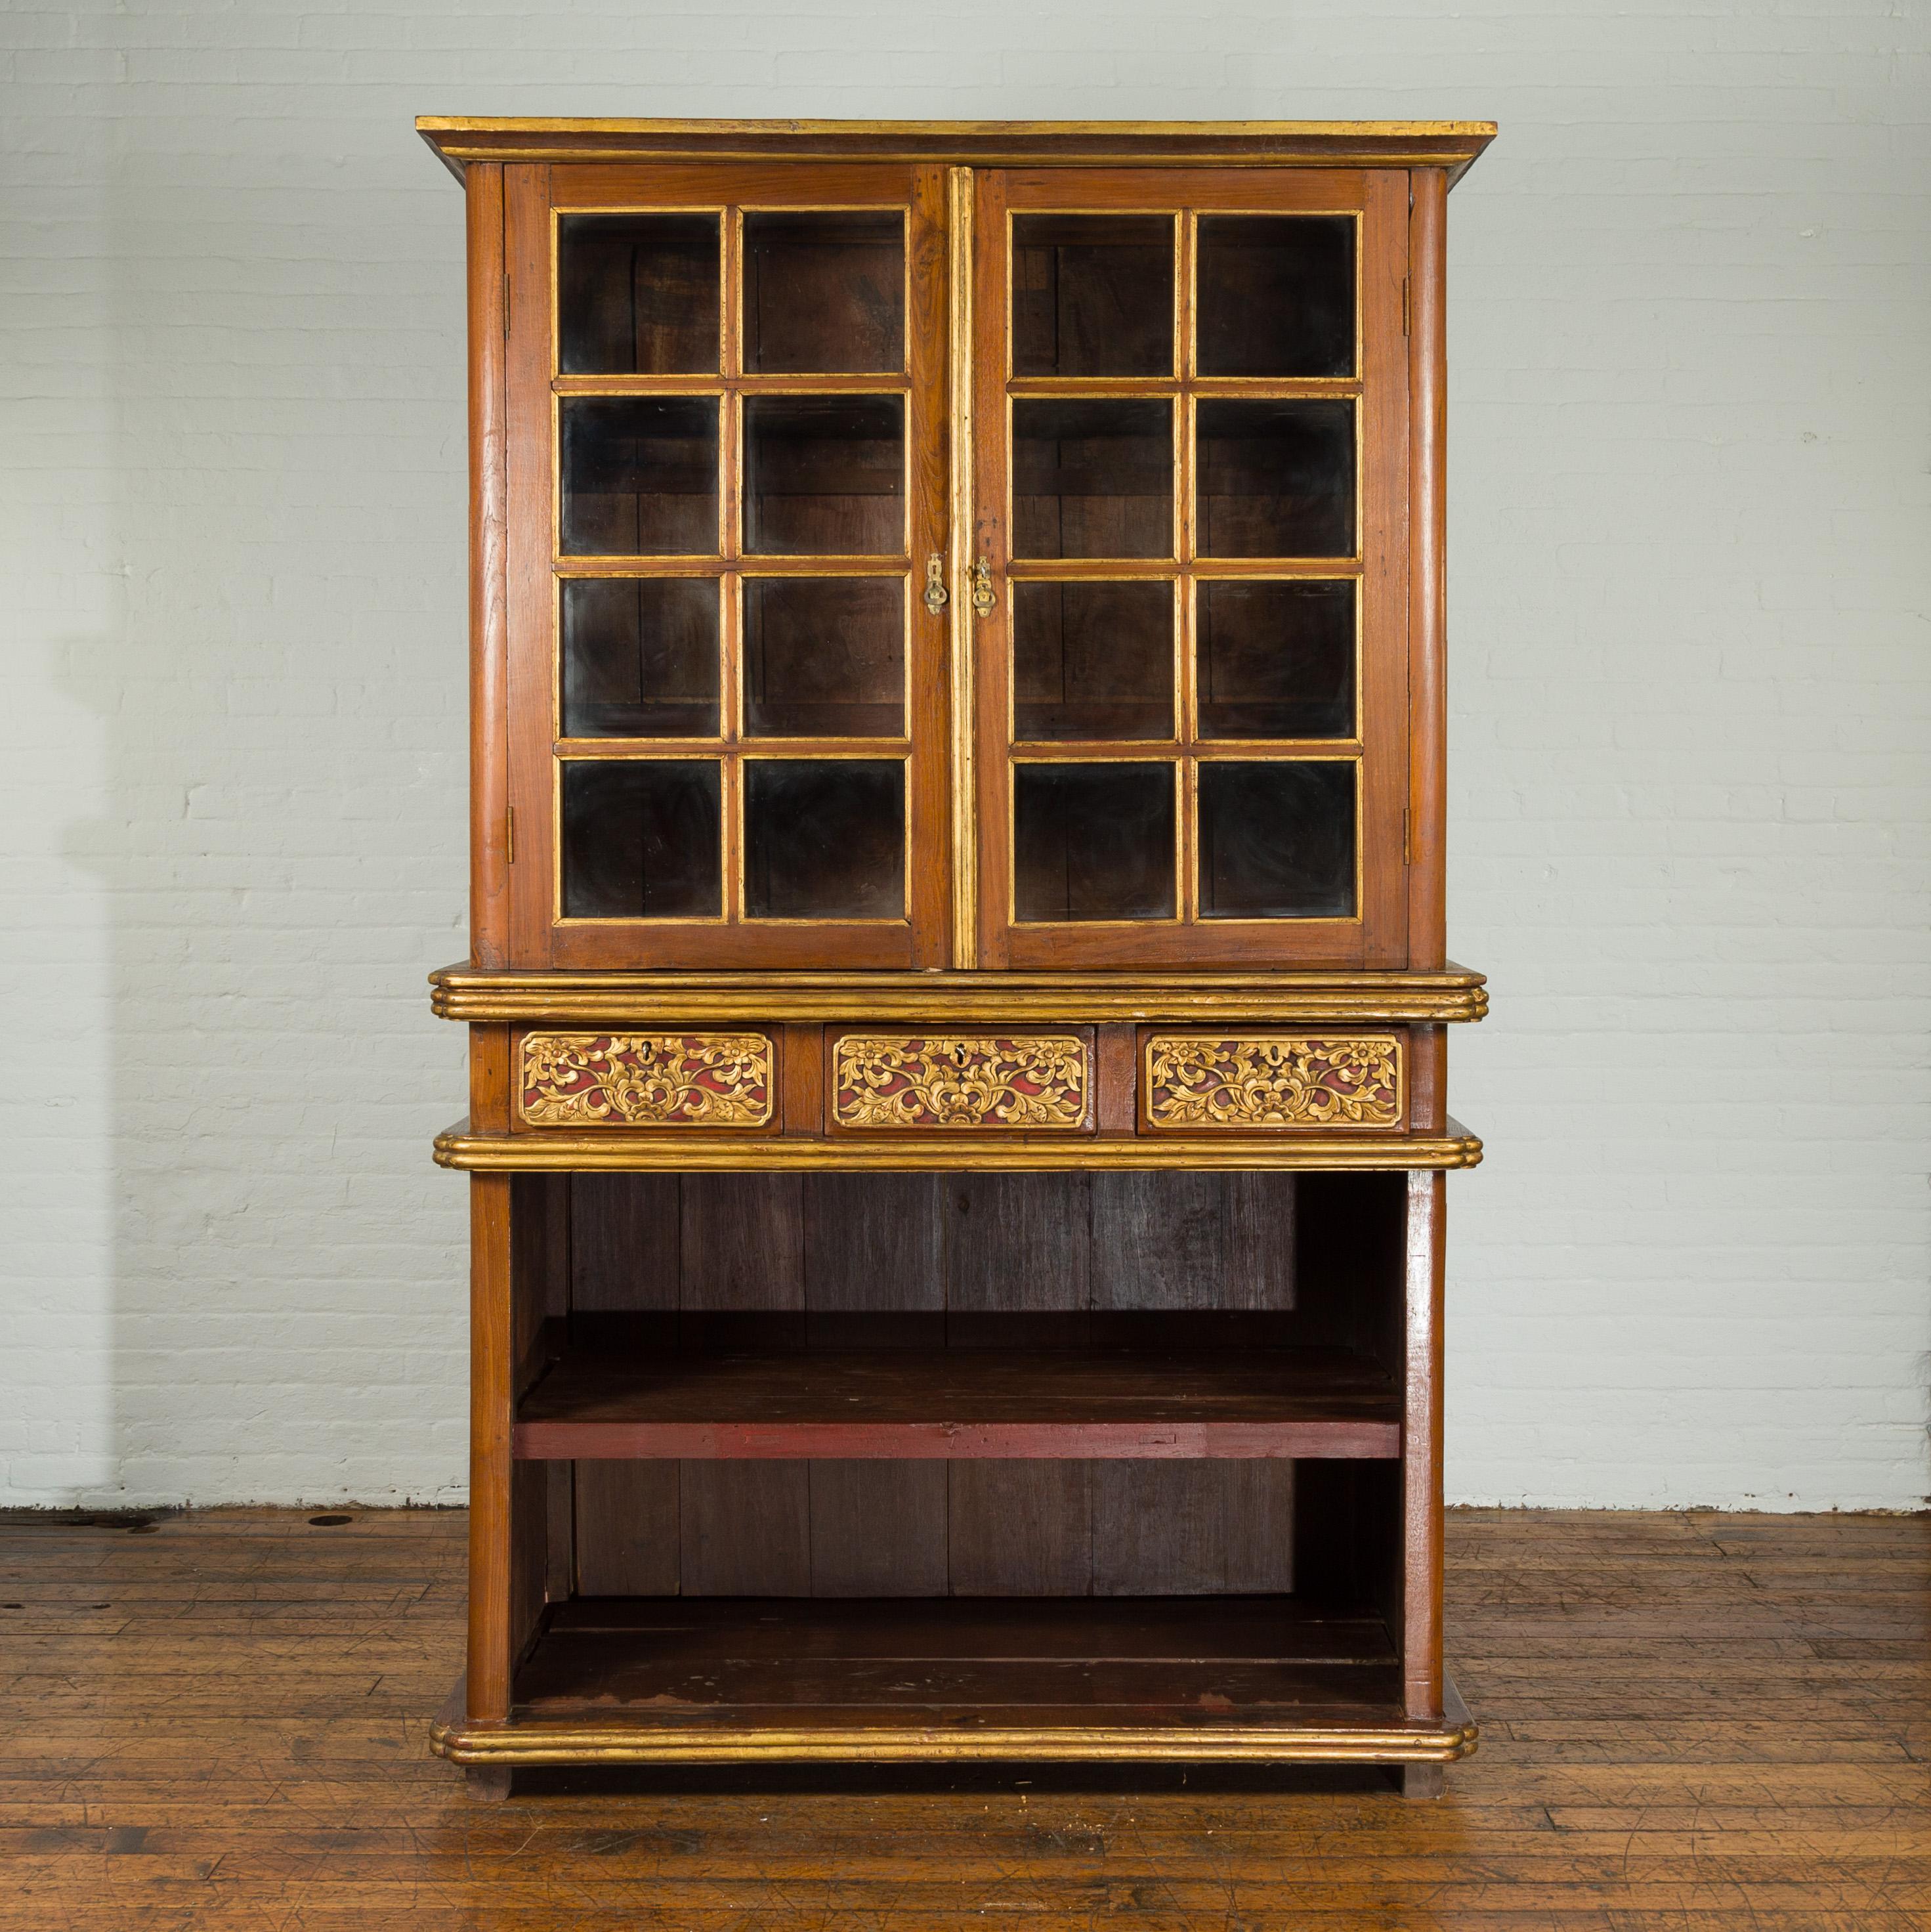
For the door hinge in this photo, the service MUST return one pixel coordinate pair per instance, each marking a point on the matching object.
(506, 304)
(1408, 838)
(1407, 316)
(509, 835)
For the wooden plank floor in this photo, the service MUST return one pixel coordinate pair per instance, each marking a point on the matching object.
(1693, 1721)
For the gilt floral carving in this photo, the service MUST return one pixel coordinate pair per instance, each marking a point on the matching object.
(960, 1080)
(1275, 1080)
(646, 1079)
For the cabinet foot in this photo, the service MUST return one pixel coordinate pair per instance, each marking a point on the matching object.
(486, 1783)
(1423, 1780)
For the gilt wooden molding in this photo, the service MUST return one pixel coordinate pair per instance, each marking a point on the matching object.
(652, 1739)
(664, 1001)
(566, 1150)
(1451, 146)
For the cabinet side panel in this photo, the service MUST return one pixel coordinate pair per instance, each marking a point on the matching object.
(489, 623)
(1385, 412)
(1428, 426)
(530, 591)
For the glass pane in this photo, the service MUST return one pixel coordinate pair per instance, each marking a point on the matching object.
(1276, 295)
(824, 475)
(641, 476)
(824, 838)
(637, 294)
(1277, 841)
(1093, 661)
(641, 840)
(1093, 842)
(1277, 479)
(1093, 479)
(1092, 295)
(1276, 660)
(640, 658)
(824, 657)
(824, 293)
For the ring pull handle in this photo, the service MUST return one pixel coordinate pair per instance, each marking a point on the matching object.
(936, 598)
(982, 597)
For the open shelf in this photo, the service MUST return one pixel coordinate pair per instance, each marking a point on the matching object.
(946, 1660)
(960, 1404)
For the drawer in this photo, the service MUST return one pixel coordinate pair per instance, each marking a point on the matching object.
(648, 1080)
(1192, 1082)
(888, 1082)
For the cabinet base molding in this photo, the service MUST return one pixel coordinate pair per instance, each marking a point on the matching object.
(645, 1737)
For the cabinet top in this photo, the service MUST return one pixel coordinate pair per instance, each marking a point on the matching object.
(1451, 145)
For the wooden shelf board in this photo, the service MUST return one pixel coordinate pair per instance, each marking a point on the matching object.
(959, 1404)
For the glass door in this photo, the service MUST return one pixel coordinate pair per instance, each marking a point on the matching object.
(728, 688)
(1189, 413)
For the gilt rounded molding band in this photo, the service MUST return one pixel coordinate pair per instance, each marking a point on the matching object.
(599, 1150)
(482, 996)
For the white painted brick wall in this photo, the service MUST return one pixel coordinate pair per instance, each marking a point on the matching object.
(1690, 325)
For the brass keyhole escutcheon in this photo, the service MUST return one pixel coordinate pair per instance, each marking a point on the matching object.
(982, 597)
(936, 596)
(959, 1056)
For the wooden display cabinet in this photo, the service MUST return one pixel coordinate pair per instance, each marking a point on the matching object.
(956, 1000)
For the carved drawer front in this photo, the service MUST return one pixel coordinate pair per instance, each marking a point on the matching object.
(887, 1080)
(646, 1080)
(1271, 1080)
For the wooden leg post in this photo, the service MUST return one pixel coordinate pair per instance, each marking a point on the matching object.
(1421, 1454)
(488, 1695)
